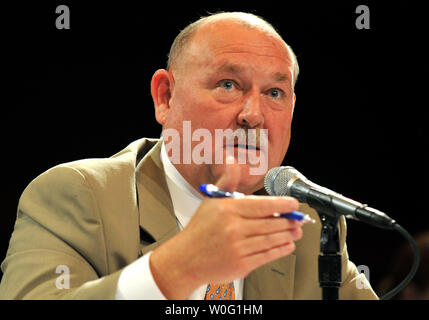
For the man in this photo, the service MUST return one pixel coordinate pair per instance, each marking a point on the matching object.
(106, 229)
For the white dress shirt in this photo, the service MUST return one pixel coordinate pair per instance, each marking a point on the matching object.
(136, 280)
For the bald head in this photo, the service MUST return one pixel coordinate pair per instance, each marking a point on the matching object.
(247, 20)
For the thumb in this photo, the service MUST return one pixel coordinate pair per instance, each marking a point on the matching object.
(230, 177)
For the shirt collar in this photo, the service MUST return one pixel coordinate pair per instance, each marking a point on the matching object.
(185, 198)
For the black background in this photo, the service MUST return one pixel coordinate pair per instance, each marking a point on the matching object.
(359, 121)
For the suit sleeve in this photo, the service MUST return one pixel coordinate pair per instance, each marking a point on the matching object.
(58, 249)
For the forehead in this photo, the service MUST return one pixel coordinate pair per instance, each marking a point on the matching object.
(215, 43)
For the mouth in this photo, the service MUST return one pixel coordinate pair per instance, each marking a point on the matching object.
(245, 146)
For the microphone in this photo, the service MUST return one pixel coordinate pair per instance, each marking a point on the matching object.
(287, 181)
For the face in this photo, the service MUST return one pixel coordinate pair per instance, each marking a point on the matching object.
(231, 77)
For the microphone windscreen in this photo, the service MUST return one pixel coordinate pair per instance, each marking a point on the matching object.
(277, 178)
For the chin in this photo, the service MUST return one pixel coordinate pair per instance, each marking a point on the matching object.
(249, 183)
(251, 187)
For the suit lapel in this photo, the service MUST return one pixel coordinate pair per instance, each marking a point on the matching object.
(273, 281)
(155, 206)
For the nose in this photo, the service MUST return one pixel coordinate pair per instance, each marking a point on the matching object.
(251, 114)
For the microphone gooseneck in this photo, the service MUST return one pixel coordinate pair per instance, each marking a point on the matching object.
(287, 181)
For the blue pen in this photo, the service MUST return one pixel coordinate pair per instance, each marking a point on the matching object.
(213, 192)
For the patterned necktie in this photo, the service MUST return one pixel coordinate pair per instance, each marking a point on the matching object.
(223, 291)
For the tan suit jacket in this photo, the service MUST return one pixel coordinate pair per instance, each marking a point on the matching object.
(96, 216)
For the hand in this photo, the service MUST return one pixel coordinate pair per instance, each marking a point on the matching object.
(225, 240)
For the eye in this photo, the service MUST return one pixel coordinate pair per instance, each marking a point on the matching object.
(227, 84)
(276, 93)
(227, 91)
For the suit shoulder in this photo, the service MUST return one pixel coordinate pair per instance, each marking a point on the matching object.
(100, 174)
(119, 167)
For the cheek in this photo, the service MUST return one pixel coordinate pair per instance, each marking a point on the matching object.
(198, 106)
(279, 126)
(279, 138)
(187, 103)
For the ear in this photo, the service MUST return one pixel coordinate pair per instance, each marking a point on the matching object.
(161, 87)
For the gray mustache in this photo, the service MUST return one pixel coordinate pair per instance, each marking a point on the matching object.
(246, 138)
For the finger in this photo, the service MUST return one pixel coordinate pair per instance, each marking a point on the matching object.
(256, 260)
(254, 227)
(264, 206)
(266, 242)
(230, 177)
